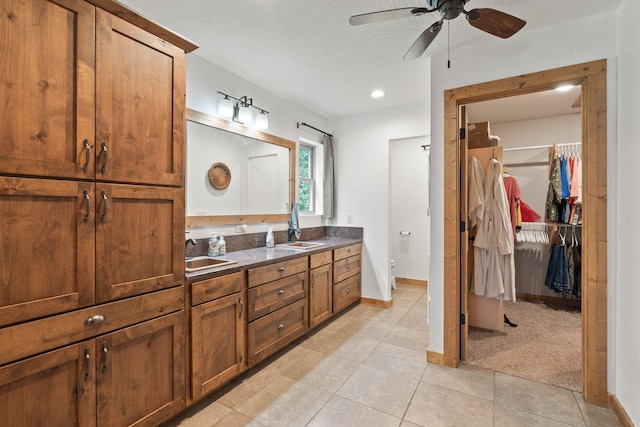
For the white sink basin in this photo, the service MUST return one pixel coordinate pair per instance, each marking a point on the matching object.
(205, 262)
(300, 245)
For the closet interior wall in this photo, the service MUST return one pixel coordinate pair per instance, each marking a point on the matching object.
(531, 170)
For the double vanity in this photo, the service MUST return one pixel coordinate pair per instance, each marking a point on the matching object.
(251, 303)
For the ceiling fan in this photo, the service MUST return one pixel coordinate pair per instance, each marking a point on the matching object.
(492, 21)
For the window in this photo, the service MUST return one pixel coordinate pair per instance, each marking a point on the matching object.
(307, 178)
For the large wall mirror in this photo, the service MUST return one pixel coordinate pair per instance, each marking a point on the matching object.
(236, 175)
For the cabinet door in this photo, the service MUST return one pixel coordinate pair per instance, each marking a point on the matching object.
(47, 96)
(47, 246)
(140, 111)
(140, 375)
(217, 343)
(139, 240)
(320, 295)
(53, 389)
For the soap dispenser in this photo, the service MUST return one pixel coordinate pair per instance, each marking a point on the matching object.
(270, 240)
(213, 245)
(222, 245)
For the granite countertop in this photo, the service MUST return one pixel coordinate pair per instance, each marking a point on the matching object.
(251, 258)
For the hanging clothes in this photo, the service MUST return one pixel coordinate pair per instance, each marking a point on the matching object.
(513, 199)
(494, 269)
(476, 193)
(554, 193)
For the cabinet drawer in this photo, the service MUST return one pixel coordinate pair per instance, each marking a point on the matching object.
(345, 268)
(316, 260)
(347, 251)
(207, 290)
(346, 292)
(271, 296)
(56, 331)
(273, 331)
(277, 270)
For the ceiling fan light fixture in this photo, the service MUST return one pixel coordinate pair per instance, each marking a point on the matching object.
(377, 93)
(564, 88)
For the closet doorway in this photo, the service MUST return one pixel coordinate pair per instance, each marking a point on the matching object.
(591, 77)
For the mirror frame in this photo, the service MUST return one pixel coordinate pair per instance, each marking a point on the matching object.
(237, 128)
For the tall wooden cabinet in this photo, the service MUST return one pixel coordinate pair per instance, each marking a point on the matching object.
(91, 215)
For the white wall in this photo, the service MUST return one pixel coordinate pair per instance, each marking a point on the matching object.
(409, 207)
(361, 149)
(205, 79)
(569, 43)
(626, 235)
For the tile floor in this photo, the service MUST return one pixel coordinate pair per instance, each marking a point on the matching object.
(367, 367)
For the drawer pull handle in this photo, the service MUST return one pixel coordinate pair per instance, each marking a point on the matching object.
(281, 291)
(281, 326)
(281, 269)
(104, 154)
(98, 318)
(88, 200)
(87, 151)
(106, 206)
(241, 308)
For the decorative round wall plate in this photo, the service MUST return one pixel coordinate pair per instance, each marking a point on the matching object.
(219, 176)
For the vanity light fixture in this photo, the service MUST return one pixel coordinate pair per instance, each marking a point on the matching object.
(240, 111)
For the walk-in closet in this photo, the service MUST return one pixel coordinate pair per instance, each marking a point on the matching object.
(523, 268)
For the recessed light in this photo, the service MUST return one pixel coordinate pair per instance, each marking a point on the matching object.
(377, 93)
(564, 88)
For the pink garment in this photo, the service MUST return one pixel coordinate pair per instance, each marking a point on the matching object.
(513, 198)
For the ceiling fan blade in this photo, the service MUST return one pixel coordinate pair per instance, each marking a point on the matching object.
(422, 43)
(495, 22)
(385, 15)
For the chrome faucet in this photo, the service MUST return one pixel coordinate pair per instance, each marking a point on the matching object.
(290, 232)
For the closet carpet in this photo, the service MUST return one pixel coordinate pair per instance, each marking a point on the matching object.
(545, 347)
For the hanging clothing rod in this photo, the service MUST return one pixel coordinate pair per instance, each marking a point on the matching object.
(539, 147)
(316, 129)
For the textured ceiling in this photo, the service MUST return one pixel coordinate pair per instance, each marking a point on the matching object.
(306, 51)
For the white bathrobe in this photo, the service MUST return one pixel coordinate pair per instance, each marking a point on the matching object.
(494, 269)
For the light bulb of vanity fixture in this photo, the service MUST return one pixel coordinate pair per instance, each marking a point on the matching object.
(262, 120)
(225, 108)
(244, 115)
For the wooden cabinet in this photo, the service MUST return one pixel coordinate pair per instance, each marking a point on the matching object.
(278, 307)
(218, 344)
(346, 276)
(62, 387)
(91, 215)
(320, 288)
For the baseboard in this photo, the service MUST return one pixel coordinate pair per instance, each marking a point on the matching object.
(376, 302)
(619, 411)
(433, 357)
(415, 282)
(575, 303)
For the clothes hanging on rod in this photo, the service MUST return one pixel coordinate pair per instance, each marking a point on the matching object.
(564, 272)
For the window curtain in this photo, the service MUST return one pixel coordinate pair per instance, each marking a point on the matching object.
(327, 181)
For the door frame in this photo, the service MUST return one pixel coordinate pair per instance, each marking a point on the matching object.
(592, 77)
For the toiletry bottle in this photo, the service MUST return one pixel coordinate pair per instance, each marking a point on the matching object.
(213, 245)
(270, 241)
(222, 245)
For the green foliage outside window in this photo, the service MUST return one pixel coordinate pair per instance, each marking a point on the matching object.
(305, 195)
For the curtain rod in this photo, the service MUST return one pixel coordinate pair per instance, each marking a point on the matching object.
(309, 126)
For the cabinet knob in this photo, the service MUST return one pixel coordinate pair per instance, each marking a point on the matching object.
(98, 318)
(281, 291)
(348, 266)
(348, 290)
(281, 269)
(280, 326)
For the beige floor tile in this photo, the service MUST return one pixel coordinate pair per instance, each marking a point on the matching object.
(243, 388)
(410, 288)
(408, 424)
(504, 416)
(420, 308)
(318, 337)
(414, 321)
(322, 370)
(385, 315)
(435, 406)
(285, 403)
(203, 414)
(409, 338)
(407, 295)
(339, 322)
(402, 304)
(344, 412)
(285, 358)
(354, 348)
(465, 379)
(379, 389)
(537, 398)
(595, 416)
(236, 419)
(367, 328)
(398, 360)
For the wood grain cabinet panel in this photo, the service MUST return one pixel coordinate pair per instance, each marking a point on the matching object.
(320, 294)
(277, 270)
(47, 97)
(271, 296)
(346, 293)
(347, 251)
(346, 267)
